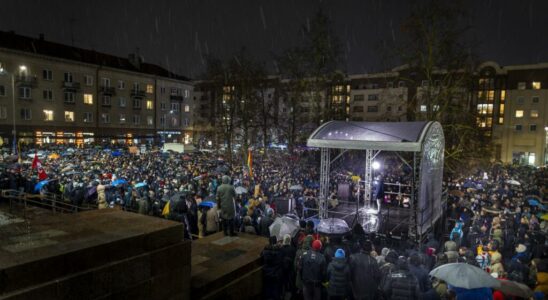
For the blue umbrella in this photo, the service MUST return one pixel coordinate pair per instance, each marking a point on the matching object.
(209, 204)
(535, 202)
(40, 185)
(119, 182)
(116, 153)
(140, 184)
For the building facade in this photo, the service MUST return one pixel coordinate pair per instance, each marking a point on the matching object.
(53, 93)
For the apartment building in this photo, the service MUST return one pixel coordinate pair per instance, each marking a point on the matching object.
(53, 93)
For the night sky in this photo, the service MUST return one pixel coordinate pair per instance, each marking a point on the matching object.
(178, 34)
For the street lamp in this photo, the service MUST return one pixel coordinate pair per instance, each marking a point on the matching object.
(22, 68)
(165, 124)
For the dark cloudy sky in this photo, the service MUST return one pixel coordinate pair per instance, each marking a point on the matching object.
(177, 34)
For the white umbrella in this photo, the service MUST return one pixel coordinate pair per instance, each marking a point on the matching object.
(465, 276)
(513, 182)
(297, 187)
(282, 226)
(241, 190)
(333, 226)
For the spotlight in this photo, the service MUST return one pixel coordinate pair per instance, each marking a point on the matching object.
(376, 165)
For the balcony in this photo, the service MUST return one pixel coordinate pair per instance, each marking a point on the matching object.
(138, 93)
(73, 86)
(176, 97)
(26, 80)
(108, 90)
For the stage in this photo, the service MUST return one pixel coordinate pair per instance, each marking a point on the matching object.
(227, 267)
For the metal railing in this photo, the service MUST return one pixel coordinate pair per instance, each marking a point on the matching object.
(48, 201)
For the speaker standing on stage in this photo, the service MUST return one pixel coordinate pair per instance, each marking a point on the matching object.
(378, 191)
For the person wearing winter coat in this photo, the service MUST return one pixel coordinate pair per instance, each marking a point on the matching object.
(306, 245)
(212, 220)
(226, 195)
(496, 264)
(365, 273)
(266, 221)
(338, 276)
(288, 257)
(272, 271)
(401, 284)
(101, 197)
(419, 272)
(313, 271)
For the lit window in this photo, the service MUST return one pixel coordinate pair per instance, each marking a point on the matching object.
(150, 88)
(122, 118)
(536, 85)
(531, 158)
(187, 108)
(150, 104)
(521, 85)
(490, 95)
(501, 108)
(150, 120)
(48, 115)
(88, 99)
(502, 95)
(501, 120)
(519, 113)
(436, 107)
(534, 113)
(423, 108)
(69, 116)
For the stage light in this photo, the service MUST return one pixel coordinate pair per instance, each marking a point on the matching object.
(376, 165)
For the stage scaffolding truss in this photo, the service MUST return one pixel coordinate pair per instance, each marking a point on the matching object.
(424, 140)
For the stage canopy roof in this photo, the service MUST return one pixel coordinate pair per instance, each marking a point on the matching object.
(386, 136)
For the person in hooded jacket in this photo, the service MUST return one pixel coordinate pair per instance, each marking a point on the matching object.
(305, 246)
(365, 273)
(313, 271)
(401, 284)
(419, 272)
(338, 276)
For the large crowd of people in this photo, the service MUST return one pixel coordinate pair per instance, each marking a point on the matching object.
(497, 218)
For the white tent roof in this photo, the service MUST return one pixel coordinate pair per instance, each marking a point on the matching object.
(386, 136)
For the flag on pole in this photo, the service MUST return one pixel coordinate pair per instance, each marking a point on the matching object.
(36, 164)
(250, 163)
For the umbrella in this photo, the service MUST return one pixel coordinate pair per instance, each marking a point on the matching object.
(119, 182)
(282, 226)
(67, 168)
(333, 226)
(296, 187)
(40, 185)
(241, 190)
(140, 184)
(512, 288)
(209, 204)
(513, 182)
(465, 276)
(116, 153)
(54, 156)
(72, 173)
(91, 191)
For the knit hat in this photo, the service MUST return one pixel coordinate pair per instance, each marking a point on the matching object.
(317, 245)
(340, 253)
(521, 248)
